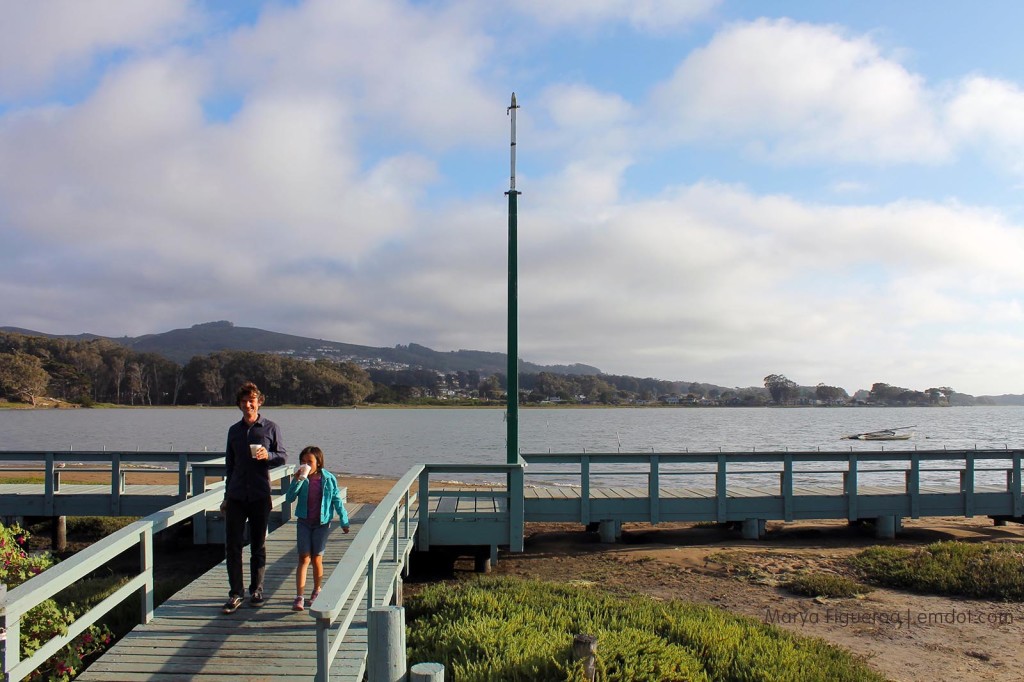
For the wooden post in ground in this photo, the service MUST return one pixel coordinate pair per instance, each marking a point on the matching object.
(386, 644)
(427, 672)
(584, 648)
(59, 534)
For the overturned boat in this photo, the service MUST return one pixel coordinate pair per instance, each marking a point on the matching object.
(898, 433)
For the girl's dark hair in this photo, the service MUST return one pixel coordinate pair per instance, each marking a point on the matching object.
(317, 453)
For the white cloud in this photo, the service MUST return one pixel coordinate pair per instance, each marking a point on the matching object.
(412, 70)
(311, 208)
(792, 91)
(41, 42)
(990, 113)
(647, 15)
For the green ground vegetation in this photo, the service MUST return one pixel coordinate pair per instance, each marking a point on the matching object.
(514, 629)
(830, 585)
(976, 570)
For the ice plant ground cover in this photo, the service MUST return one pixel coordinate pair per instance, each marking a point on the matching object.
(509, 628)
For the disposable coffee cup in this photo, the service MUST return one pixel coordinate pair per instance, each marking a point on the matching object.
(254, 448)
(302, 470)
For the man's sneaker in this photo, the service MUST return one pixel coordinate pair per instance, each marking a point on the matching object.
(298, 604)
(232, 604)
(256, 599)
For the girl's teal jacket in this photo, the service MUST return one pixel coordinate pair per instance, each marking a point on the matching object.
(331, 499)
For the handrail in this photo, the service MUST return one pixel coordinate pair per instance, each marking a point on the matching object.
(29, 594)
(769, 456)
(54, 463)
(360, 561)
(581, 465)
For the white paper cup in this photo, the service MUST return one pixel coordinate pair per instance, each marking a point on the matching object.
(302, 470)
(254, 448)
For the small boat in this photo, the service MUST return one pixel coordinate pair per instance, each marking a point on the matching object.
(883, 434)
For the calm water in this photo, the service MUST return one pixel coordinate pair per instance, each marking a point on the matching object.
(385, 442)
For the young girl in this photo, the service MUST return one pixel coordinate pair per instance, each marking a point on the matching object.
(319, 497)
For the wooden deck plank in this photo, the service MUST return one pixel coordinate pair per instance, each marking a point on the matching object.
(189, 637)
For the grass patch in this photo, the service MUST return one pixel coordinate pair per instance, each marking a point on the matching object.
(514, 629)
(94, 528)
(976, 570)
(827, 585)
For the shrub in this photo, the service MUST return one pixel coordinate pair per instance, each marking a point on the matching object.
(978, 570)
(824, 585)
(47, 619)
(512, 629)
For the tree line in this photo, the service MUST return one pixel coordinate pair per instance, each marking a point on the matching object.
(784, 391)
(94, 371)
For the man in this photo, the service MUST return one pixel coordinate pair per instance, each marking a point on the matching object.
(254, 447)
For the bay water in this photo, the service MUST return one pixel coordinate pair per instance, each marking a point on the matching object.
(386, 442)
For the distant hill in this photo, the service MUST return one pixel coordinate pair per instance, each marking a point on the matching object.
(181, 345)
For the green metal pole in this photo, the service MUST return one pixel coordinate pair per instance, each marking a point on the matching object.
(512, 374)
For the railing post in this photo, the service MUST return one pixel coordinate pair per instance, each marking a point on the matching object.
(50, 486)
(115, 483)
(423, 530)
(653, 489)
(10, 642)
(914, 485)
(516, 508)
(394, 533)
(323, 649)
(1015, 490)
(198, 488)
(182, 477)
(3, 631)
(721, 490)
(787, 487)
(371, 580)
(851, 489)
(584, 489)
(968, 485)
(286, 506)
(146, 568)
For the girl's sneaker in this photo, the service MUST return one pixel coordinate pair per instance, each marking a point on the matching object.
(316, 593)
(297, 605)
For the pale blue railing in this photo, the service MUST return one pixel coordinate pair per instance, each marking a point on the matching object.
(354, 583)
(29, 594)
(508, 503)
(53, 463)
(906, 469)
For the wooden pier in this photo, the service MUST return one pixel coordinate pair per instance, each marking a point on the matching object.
(189, 638)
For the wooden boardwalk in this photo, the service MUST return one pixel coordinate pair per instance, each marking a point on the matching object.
(191, 639)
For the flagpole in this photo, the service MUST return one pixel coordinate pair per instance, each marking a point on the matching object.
(512, 374)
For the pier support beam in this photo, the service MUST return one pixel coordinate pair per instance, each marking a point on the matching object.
(426, 672)
(753, 529)
(885, 527)
(59, 533)
(610, 531)
(386, 640)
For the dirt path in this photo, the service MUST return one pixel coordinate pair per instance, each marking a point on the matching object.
(903, 636)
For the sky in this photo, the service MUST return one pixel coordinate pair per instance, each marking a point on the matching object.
(711, 190)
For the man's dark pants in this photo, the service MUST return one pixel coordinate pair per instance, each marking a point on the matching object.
(237, 512)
